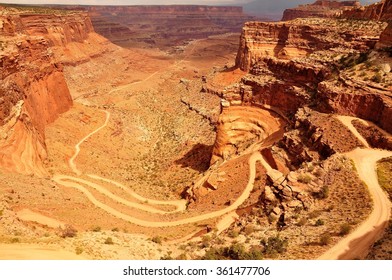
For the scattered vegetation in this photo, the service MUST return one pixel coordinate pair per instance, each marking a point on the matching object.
(233, 252)
(384, 171)
(274, 246)
(305, 178)
(319, 222)
(15, 240)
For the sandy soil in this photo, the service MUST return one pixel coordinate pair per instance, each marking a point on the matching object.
(35, 252)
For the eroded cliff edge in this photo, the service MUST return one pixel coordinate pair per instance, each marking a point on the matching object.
(35, 42)
(337, 65)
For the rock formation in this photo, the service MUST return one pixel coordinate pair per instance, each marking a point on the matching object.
(33, 90)
(163, 26)
(300, 38)
(320, 9)
(310, 62)
(378, 11)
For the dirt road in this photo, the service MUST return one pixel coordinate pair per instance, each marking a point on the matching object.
(358, 242)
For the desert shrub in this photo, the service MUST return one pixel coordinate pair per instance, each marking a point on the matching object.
(79, 250)
(323, 193)
(319, 222)
(68, 231)
(109, 241)
(1, 212)
(157, 239)
(233, 252)
(304, 178)
(274, 245)
(205, 241)
(344, 229)
(325, 239)
(15, 240)
(233, 234)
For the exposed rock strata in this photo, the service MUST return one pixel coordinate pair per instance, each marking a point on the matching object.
(33, 91)
(300, 38)
(320, 8)
(378, 11)
(164, 26)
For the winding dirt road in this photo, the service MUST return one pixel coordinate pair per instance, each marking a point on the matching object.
(358, 242)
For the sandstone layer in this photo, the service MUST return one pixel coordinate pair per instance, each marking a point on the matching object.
(33, 91)
(302, 37)
(163, 26)
(320, 9)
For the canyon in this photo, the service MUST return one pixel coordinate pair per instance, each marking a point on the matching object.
(181, 141)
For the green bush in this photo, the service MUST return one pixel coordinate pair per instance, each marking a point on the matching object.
(274, 245)
(233, 252)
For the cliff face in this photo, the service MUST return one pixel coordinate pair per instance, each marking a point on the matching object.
(320, 9)
(300, 38)
(386, 37)
(378, 11)
(163, 26)
(33, 91)
(320, 63)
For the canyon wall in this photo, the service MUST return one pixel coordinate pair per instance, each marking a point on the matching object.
(309, 62)
(377, 11)
(164, 26)
(300, 38)
(320, 8)
(33, 90)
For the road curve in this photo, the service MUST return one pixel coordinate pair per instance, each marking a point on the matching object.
(77, 146)
(358, 242)
(245, 194)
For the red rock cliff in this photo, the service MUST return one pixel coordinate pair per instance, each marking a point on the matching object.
(33, 91)
(164, 26)
(300, 38)
(320, 8)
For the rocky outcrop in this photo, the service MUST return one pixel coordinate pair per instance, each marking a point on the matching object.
(386, 37)
(33, 90)
(300, 38)
(164, 26)
(314, 138)
(241, 126)
(320, 8)
(356, 100)
(378, 11)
